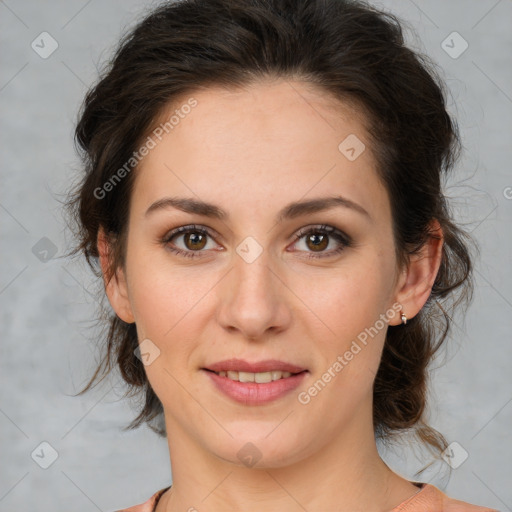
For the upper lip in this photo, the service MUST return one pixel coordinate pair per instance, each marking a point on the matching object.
(239, 365)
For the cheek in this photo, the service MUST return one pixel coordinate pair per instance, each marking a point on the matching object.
(162, 294)
(352, 305)
(351, 297)
(167, 305)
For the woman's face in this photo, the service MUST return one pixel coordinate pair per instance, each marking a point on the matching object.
(257, 278)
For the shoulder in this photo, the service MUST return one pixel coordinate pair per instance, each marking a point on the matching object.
(147, 506)
(427, 499)
(431, 498)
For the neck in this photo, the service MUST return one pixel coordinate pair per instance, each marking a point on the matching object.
(346, 474)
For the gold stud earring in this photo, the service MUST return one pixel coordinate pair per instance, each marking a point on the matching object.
(403, 317)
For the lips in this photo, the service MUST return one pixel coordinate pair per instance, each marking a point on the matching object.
(259, 377)
(255, 383)
(239, 365)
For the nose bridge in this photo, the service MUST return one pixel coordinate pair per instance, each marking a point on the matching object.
(253, 280)
(253, 300)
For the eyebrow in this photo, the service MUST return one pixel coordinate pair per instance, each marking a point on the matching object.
(290, 211)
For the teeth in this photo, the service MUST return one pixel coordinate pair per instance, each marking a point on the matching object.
(260, 378)
(246, 376)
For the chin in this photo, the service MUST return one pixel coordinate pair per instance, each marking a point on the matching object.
(254, 449)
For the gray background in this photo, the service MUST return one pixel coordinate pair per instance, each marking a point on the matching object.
(47, 306)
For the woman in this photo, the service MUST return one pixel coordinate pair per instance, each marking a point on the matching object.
(262, 192)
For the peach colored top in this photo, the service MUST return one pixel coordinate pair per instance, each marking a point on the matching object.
(427, 499)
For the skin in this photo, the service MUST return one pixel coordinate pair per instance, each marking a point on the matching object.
(252, 151)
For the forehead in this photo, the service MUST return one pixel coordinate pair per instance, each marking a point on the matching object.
(267, 143)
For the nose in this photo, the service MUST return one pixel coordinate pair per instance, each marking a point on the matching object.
(254, 299)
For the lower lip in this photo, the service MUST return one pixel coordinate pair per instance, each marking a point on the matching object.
(253, 393)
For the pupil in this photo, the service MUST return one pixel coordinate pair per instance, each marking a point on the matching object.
(196, 239)
(320, 241)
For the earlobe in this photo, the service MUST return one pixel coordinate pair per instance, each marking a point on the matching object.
(419, 277)
(114, 280)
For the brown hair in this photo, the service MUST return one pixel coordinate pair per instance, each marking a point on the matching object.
(348, 49)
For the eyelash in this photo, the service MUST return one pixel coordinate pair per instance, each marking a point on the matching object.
(343, 239)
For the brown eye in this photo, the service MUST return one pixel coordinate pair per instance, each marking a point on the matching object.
(189, 241)
(317, 242)
(194, 240)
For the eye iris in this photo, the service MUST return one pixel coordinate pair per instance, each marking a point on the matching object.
(317, 244)
(198, 240)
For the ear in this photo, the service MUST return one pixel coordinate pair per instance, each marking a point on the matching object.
(416, 280)
(114, 279)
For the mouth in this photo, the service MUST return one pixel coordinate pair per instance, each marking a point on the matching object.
(242, 366)
(255, 383)
(259, 377)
